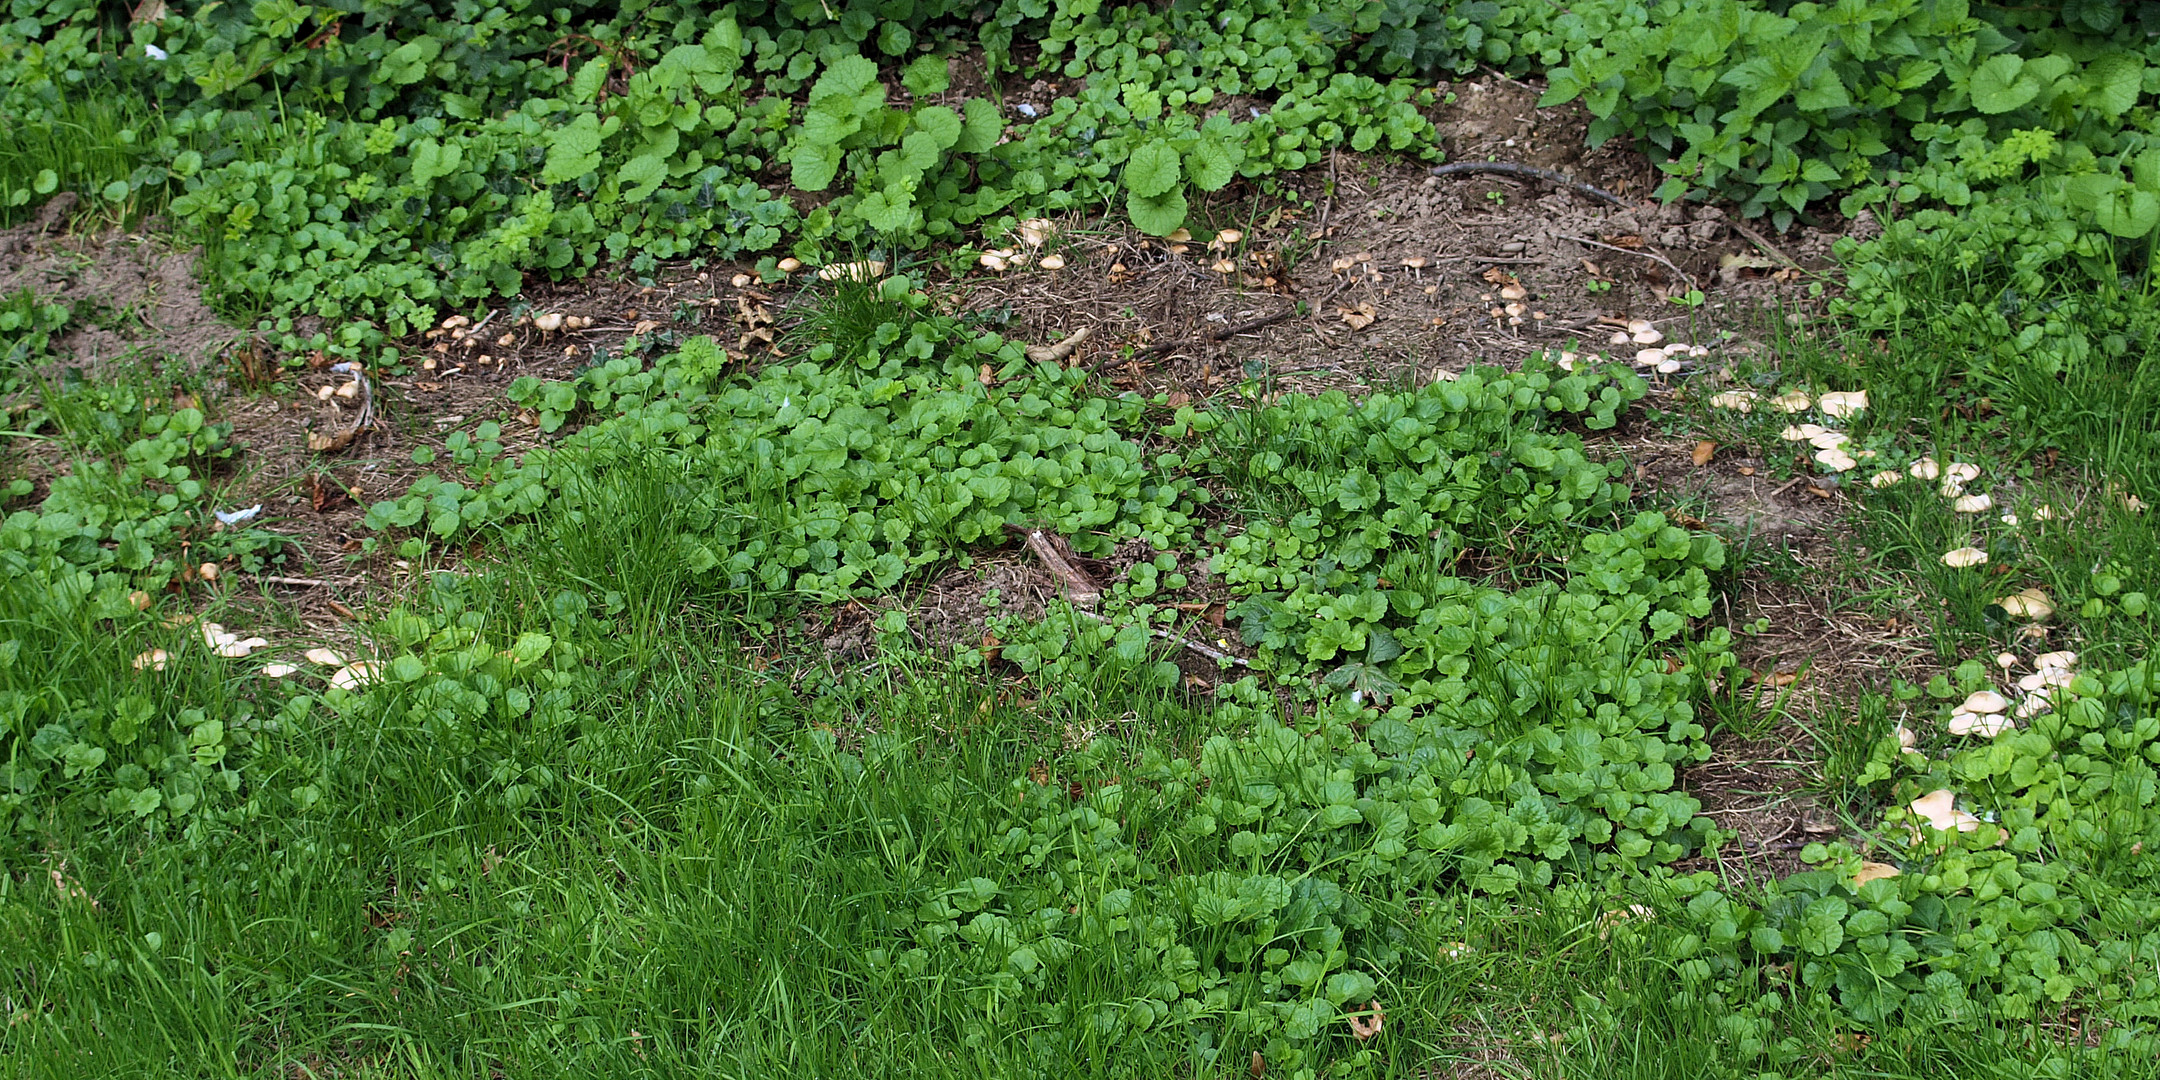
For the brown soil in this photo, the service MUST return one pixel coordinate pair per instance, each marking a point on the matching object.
(133, 295)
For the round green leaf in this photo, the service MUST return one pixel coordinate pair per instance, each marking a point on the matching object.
(46, 183)
(1159, 215)
(1153, 171)
(1997, 87)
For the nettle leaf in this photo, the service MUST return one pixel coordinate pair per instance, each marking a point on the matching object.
(982, 128)
(573, 150)
(2113, 82)
(641, 176)
(814, 166)
(927, 75)
(408, 63)
(1158, 215)
(1212, 163)
(1152, 171)
(2001, 84)
(591, 76)
(942, 125)
(431, 160)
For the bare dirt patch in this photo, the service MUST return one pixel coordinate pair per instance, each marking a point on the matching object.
(132, 294)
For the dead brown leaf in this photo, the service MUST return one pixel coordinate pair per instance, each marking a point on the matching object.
(1704, 451)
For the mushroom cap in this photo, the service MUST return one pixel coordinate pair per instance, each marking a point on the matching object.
(1985, 701)
(1835, 460)
(1873, 871)
(1940, 810)
(1737, 400)
(1842, 402)
(2062, 659)
(1925, 469)
(1828, 440)
(325, 657)
(1650, 336)
(1792, 401)
(1886, 478)
(2027, 604)
(1964, 557)
(356, 675)
(1964, 472)
(1801, 432)
(279, 671)
(1906, 738)
(1053, 262)
(1972, 504)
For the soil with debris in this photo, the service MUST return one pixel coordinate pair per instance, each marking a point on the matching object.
(131, 295)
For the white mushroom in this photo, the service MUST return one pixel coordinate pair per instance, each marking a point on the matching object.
(1742, 401)
(1886, 478)
(154, 660)
(1939, 808)
(1983, 702)
(1835, 460)
(325, 657)
(1842, 403)
(356, 675)
(1964, 557)
(1972, 504)
(1985, 725)
(2027, 604)
(1925, 469)
(1792, 401)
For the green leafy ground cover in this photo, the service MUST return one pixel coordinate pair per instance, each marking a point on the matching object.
(562, 822)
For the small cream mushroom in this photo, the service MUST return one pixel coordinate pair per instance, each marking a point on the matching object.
(2006, 661)
(1566, 361)
(1416, 262)
(214, 634)
(1649, 357)
(2133, 504)
(1940, 810)
(577, 322)
(1906, 738)
(1873, 871)
(1225, 266)
(1886, 478)
(2064, 659)
(739, 281)
(280, 671)
(1792, 401)
(1801, 432)
(2035, 703)
(1985, 725)
(325, 657)
(1648, 336)
(1925, 469)
(1835, 460)
(790, 264)
(356, 675)
(2043, 512)
(1053, 262)
(2010, 520)
(1227, 237)
(1984, 701)
(992, 260)
(1951, 489)
(1619, 337)
(1842, 403)
(1035, 232)
(325, 393)
(1638, 326)
(1671, 365)
(154, 660)
(548, 322)
(1964, 557)
(239, 647)
(1741, 401)
(140, 600)
(1516, 292)
(2027, 604)
(1972, 504)
(1964, 472)
(854, 271)
(1182, 235)
(1828, 440)
(207, 571)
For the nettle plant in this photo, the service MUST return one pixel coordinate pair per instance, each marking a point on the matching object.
(836, 474)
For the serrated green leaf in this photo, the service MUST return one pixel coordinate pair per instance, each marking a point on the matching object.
(591, 76)
(814, 166)
(1151, 171)
(641, 175)
(927, 74)
(1158, 215)
(1998, 85)
(943, 125)
(1212, 163)
(433, 160)
(2113, 82)
(573, 150)
(408, 63)
(982, 128)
